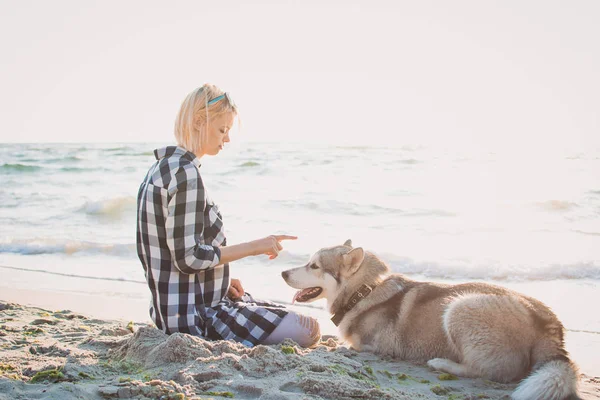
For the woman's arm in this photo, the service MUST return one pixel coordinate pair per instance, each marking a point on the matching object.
(184, 223)
(184, 230)
(269, 245)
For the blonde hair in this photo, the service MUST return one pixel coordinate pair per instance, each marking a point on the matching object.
(195, 114)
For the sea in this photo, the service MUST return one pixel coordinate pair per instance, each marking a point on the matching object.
(530, 222)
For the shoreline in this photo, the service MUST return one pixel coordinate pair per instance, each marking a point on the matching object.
(128, 301)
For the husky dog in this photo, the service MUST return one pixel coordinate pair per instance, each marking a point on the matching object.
(470, 329)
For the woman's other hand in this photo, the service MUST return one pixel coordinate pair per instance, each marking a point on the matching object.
(235, 289)
(270, 245)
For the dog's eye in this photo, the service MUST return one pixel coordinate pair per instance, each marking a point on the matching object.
(314, 266)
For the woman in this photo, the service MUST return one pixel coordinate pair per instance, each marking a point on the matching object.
(182, 246)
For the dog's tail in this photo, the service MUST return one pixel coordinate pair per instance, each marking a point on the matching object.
(554, 375)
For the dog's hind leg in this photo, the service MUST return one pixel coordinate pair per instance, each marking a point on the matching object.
(491, 336)
(445, 365)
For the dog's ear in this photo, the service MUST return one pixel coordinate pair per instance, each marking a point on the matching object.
(353, 259)
(348, 243)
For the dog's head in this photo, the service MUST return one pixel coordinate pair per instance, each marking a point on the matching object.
(327, 272)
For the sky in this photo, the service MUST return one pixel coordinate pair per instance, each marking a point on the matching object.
(495, 74)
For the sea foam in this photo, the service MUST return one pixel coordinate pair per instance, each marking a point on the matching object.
(113, 207)
(67, 247)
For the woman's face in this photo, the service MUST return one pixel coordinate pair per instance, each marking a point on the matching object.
(218, 134)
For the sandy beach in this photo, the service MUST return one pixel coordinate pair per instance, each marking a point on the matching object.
(52, 353)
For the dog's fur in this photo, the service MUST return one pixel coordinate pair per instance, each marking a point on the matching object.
(470, 330)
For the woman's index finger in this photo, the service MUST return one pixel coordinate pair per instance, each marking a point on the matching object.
(285, 237)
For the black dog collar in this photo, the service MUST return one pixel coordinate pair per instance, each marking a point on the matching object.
(363, 292)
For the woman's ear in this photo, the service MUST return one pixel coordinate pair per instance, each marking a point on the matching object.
(353, 259)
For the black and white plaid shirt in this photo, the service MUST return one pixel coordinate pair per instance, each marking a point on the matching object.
(179, 234)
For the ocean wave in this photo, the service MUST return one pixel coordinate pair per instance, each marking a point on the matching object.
(557, 205)
(493, 272)
(251, 168)
(428, 269)
(144, 154)
(119, 148)
(53, 246)
(586, 233)
(78, 169)
(49, 166)
(312, 163)
(357, 147)
(18, 168)
(128, 150)
(60, 160)
(250, 164)
(355, 209)
(114, 207)
(409, 161)
(458, 270)
(132, 154)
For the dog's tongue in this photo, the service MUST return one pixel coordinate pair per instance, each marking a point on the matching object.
(298, 294)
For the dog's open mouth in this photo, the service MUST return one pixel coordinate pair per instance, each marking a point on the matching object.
(305, 295)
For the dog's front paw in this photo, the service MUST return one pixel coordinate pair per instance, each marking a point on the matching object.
(437, 364)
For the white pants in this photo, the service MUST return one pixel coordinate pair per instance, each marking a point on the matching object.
(300, 328)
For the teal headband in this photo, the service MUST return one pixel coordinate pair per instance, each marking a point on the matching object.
(216, 99)
(221, 97)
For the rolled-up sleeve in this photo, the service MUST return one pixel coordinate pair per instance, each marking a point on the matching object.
(185, 223)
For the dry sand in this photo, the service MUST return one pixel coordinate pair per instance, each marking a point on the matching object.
(63, 355)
